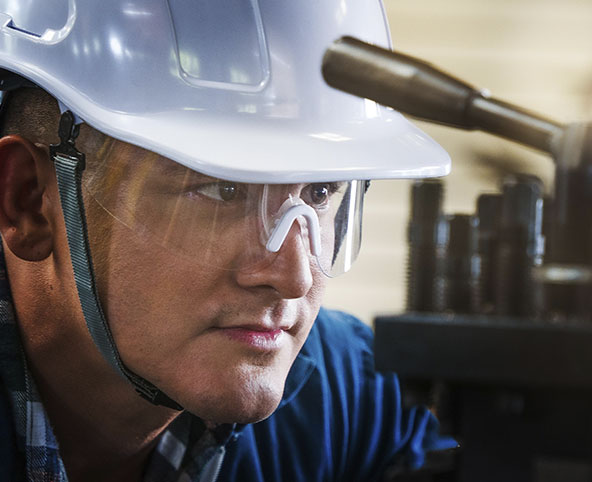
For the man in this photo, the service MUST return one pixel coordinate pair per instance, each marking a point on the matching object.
(174, 241)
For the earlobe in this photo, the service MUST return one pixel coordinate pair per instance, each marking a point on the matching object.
(23, 223)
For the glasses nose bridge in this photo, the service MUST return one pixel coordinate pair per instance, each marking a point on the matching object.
(284, 225)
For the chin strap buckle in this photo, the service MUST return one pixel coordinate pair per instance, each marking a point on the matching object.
(68, 132)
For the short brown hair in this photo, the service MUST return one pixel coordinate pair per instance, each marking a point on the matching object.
(31, 113)
(34, 114)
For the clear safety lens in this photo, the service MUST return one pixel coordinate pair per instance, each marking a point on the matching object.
(224, 224)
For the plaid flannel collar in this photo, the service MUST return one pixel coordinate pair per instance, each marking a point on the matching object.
(183, 451)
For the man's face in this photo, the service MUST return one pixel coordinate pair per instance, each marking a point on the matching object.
(218, 339)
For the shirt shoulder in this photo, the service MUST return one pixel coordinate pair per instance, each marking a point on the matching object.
(341, 344)
(339, 331)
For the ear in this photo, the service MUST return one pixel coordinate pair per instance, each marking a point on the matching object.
(23, 182)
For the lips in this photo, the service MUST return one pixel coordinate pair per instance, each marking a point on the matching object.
(257, 337)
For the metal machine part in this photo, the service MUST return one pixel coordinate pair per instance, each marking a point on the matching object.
(458, 265)
(415, 87)
(520, 247)
(426, 208)
(488, 212)
(518, 389)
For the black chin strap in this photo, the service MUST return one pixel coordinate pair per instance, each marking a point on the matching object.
(69, 165)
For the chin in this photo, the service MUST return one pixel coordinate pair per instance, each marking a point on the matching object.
(243, 407)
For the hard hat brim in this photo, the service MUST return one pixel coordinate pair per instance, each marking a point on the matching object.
(287, 151)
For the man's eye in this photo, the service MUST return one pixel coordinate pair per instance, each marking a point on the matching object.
(219, 191)
(319, 194)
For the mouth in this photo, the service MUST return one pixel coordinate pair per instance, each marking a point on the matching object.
(257, 337)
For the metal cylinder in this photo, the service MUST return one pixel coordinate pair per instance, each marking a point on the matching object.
(520, 247)
(417, 88)
(457, 265)
(489, 207)
(566, 277)
(572, 202)
(426, 207)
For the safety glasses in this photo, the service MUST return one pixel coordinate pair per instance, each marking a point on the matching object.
(223, 224)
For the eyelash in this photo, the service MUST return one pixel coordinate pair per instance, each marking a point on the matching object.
(202, 189)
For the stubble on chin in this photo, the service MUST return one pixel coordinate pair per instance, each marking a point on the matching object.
(249, 401)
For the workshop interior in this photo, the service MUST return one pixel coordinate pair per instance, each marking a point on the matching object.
(486, 314)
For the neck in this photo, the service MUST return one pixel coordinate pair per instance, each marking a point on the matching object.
(105, 430)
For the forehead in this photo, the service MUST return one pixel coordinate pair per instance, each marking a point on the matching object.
(115, 160)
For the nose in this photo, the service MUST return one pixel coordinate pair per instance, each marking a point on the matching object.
(289, 273)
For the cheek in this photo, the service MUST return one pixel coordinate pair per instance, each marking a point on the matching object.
(151, 298)
(155, 306)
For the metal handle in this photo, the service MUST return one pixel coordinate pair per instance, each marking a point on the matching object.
(417, 88)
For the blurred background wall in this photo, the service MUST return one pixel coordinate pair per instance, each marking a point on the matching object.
(535, 53)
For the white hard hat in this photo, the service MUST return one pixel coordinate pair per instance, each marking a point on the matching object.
(230, 88)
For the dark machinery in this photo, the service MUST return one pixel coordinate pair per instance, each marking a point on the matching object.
(497, 336)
